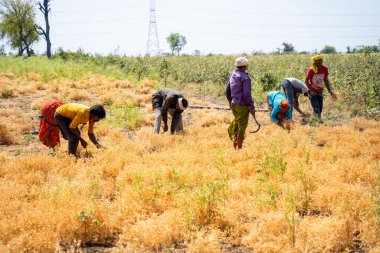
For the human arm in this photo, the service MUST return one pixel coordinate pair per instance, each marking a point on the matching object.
(164, 113)
(308, 81)
(228, 93)
(247, 88)
(328, 86)
(268, 106)
(297, 105)
(274, 113)
(79, 119)
(175, 121)
(77, 134)
(94, 140)
(91, 135)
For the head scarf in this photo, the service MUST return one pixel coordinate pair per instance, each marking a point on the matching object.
(284, 105)
(241, 62)
(313, 60)
(180, 104)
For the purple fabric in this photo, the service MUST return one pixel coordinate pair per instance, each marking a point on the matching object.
(238, 90)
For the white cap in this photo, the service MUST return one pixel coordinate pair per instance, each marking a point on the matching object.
(180, 104)
(241, 62)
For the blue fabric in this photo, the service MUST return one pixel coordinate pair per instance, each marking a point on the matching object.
(317, 103)
(274, 100)
(289, 92)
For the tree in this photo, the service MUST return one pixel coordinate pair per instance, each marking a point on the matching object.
(328, 50)
(176, 42)
(197, 52)
(2, 50)
(45, 9)
(288, 48)
(18, 24)
(367, 49)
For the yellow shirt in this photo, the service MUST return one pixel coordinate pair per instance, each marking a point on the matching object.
(78, 113)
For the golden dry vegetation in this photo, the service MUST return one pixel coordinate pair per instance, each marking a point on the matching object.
(315, 189)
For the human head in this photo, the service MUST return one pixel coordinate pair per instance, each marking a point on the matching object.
(280, 116)
(97, 112)
(284, 105)
(299, 91)
(241, 63)
(182, 104)
(317, 60)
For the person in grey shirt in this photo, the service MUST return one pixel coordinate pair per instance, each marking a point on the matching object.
(172, 101)
(293, 88)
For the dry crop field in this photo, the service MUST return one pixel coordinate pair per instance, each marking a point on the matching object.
(314, 189)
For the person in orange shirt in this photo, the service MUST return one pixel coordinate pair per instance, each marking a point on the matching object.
(70, 116)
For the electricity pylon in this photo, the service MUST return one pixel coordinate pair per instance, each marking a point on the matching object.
(152, 48)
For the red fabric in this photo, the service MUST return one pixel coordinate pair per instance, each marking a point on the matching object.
(280, 116)
(284, 106)
(49, 134)
(317, 79)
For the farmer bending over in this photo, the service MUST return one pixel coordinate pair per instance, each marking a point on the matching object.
(293, 88)
(238, 93)
(169, 100)
(278, 106)
(70, 115)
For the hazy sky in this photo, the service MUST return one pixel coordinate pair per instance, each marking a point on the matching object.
(213, 26)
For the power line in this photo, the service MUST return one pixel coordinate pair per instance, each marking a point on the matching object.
(101, 21)
(220, 23)
(100, 10)
(228, 34)
(98, 33)
(276, 36)
(270, 13)
(269, 25)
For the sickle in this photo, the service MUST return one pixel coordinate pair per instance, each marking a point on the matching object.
(258, 126)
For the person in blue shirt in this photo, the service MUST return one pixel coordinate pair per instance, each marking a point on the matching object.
(277, 104)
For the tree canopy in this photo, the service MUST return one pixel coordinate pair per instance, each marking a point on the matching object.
(176, 42)
(328, 50)
(17, 19)
(288, 48)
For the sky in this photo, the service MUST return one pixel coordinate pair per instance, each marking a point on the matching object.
(212, 26)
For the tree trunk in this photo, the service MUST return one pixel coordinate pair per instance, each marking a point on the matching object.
(27, 49)
(21, 47)
(20, 51)
(48, 42)
(45, 9)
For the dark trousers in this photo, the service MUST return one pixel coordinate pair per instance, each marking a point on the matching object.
(64, 126)
(289, 93)
(317, 103)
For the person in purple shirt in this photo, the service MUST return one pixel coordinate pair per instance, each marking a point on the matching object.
(238, 93)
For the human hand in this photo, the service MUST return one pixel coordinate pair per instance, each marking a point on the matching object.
(289, 124)
(100, 146)
(334, 96)
(253, 111)
(312, 93)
